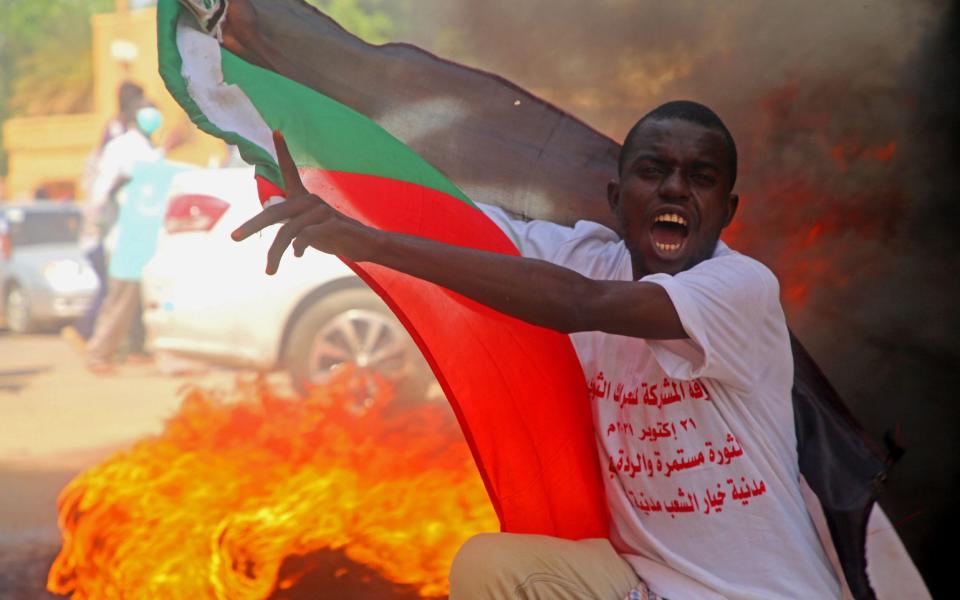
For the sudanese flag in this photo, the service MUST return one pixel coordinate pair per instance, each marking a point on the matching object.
(402, 140)
(517, 389)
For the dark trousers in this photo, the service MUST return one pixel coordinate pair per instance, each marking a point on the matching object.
(86, 323)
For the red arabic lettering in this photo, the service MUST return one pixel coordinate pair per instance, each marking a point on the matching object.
(710, 502)
(668, 391)
(663, 429)
(685, 503)
(644, 504)
(650, 397)
(652, 464)
(599, 387)
(725, 455)
(697, 392)
(620, 427)
(714, 502)
(746, 491)
(681, 464)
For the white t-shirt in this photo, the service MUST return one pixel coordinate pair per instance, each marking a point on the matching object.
(696, 437)
(116, 162)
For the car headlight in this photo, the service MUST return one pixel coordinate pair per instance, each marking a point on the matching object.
(69, 275)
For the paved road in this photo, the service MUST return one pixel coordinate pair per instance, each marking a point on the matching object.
(56, 418)
(55, 414)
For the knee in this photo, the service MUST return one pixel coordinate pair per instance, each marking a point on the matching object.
(474, 572)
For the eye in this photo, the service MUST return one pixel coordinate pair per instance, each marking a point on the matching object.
(649, 170)
(703, 178)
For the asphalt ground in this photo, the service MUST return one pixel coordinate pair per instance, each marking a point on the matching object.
(57, 418)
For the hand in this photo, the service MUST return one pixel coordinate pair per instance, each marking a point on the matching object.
(178, 136)
(309, 220)
(242, 37)
(240, 27)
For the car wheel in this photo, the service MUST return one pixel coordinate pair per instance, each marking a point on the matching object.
(17, 310)
(353, 328)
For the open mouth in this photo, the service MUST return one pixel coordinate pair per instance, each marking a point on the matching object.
(669, 233)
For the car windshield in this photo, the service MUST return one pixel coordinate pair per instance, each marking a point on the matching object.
(31, 228)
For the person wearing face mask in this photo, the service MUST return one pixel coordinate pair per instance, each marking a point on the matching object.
(120, 308)
(99, 211)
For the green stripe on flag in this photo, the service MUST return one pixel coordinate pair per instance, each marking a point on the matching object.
(320, 131)
(325, 134)
(171, 65)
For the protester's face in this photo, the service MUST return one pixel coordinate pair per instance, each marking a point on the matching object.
(128, 113)
(673, 197)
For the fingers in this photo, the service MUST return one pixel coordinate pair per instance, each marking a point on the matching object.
(285, 235)
(288, 169)
(305, 239)
(265, 218)
(293, 186)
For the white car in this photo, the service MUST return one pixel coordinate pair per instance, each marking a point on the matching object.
(206, 296)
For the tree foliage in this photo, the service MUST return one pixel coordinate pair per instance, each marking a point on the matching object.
(45, 60)
(367, 19)
(45, 55)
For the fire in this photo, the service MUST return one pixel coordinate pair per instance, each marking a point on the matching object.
(847, 151)
(821, 192)
(241, 481)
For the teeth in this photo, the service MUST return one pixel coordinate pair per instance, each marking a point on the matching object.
(667, 247)
(671, 218)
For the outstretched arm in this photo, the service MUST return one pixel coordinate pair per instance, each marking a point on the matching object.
(531, 290)
(242, 37)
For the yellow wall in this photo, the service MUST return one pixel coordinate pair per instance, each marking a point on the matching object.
(53, 149)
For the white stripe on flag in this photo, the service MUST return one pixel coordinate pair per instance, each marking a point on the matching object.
(225, 106)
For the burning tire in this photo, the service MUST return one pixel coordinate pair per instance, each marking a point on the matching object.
(353, 328)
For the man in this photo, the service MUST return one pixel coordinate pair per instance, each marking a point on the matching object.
(100, 210)
(120, 309)
(686, 350)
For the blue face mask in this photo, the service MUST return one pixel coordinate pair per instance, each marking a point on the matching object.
(149, 120)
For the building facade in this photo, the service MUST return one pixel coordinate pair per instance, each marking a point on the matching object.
(47, 154)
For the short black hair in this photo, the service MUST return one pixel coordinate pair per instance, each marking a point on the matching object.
(129, 95)
(692, 112)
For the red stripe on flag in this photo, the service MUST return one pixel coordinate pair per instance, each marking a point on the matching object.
(267, 189)
(518, 390)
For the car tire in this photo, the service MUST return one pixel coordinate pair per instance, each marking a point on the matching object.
(16, 309)
(354, 326)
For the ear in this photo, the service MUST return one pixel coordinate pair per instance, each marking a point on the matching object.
(613, 195)
(733, 201)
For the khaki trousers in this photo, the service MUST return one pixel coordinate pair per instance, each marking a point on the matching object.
(536, 567)
(114, 320)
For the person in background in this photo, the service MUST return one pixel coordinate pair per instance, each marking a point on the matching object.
(100, 208)
(120, 306)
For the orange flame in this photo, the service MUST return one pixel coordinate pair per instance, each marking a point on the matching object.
(821, 194)
(849, 150)
(241, 480)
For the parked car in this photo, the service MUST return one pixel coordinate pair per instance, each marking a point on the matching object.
(206, 296)
(45, 278)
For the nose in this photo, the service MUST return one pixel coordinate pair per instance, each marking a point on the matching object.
(674, 186)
